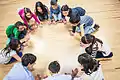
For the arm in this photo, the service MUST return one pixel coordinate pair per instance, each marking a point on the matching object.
(16, 33)
(82, 29)
(36, 19)
(51, 12)
(63, 17)
(17, 57)
(21, 14)
(47, 10)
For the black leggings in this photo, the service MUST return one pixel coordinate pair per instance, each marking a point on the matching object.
(100, 55)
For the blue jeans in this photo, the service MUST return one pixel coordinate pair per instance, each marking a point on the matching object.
(100, 55)
(87, 29)
(57, 17)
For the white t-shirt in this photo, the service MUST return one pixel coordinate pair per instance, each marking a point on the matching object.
(6, 58)
(59, 77)
(97, 75)
(104, 47)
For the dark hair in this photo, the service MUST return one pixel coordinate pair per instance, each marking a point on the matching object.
(27, 10)
(28, 59)
(65, 8)
(19, 23)
(74, 19)
(13, 45)
(43, 7)
(87, 39)
(89, 64)
(53, 2)
(54, 67)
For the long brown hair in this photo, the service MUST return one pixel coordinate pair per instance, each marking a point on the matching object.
(27, 10)
(89, 64)
(87, 39)
(13, 45)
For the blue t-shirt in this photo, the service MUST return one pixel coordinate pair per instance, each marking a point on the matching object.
(19, 72)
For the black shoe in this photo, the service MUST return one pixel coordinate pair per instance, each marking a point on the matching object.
(96, 27)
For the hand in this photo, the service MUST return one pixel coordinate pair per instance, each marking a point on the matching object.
(38, 77)
(71, 33)
(74, 72)
(41, 23)
(27, 38)
(64, 21)
(50, 22)
(54, 22)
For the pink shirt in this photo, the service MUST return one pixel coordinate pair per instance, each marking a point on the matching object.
(21, 13)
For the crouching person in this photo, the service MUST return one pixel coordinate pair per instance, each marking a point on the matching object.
(86, 22)
(17, 31)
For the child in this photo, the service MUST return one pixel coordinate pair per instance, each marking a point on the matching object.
(89, 67)
(55, 12)
(41, 11)
(86, 21)
(12, 52)
(66, 11)
(27, 15)
(22, 70)
(95, 47)
(17, 31)
(54, 68)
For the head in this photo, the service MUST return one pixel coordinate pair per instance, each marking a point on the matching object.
(88, 64)
(39, 7)
(28, 13)
(75, 20)
(54, 67)
(87, 40)
(65, 10)
(20, 26)
(28, 60)
(14, 44)
(54, 4)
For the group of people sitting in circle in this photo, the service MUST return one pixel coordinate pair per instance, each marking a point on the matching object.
(18, 35)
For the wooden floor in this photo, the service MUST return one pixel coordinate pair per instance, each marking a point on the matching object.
(54, 42)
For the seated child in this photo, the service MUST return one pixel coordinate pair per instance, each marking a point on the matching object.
(41, 11)
(95, 47)
(55, 12)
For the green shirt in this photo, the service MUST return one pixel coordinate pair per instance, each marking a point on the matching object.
(11, 29)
